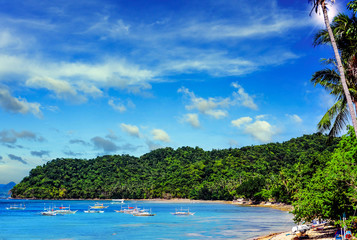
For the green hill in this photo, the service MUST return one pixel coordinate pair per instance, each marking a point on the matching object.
(262, 172)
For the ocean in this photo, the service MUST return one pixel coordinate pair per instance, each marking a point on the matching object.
(210, 221)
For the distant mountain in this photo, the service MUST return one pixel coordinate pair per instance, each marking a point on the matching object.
(5, 188)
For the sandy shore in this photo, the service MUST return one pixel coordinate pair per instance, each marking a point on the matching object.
(324, 234)
(279, 206)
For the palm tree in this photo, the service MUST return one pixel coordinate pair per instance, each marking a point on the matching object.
(322, 3)
(342, 27)
(336, 118)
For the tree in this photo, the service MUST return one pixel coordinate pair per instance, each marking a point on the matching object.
(322, 3)
(344, 29)
(332, 190)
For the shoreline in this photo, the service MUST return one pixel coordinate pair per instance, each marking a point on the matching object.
(278, 206)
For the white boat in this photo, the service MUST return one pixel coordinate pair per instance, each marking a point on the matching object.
(143, 213)
(16, 207)
(183, 212)
(98, 206)
(65, 210)
(117, 201)
(124, 209)
(49, 212)
(300, 230)
(94, 211)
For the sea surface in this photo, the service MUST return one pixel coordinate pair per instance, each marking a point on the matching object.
(210, 221)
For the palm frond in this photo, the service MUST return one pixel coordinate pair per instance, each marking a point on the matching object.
(335, 119)
(327, 78)
(315, 6)
(340, 121)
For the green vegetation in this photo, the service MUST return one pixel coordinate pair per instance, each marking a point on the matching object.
(272, 171)
(331, 191)
(315, 173)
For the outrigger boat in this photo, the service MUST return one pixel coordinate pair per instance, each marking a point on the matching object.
(128, 209)
(98, 206)
(16, 207)
(183, 212)
(65, 210)
(143, 213)
(49, 212)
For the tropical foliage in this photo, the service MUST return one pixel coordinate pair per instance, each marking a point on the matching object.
(332, 190)
(272, 171)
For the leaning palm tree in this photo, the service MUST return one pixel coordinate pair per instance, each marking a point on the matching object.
(337, 116)
(323, 4)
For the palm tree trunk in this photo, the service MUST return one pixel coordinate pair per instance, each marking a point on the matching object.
(340, 68)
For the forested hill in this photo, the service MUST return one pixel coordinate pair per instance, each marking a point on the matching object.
(271, 171)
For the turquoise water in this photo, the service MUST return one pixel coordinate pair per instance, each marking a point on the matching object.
(211, 221)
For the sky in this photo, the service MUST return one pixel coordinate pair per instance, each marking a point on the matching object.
(81, 79)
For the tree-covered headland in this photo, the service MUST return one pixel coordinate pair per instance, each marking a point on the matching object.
(272, 171)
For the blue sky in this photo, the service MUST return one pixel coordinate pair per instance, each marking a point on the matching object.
(80, 79)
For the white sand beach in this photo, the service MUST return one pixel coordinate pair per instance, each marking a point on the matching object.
(326, 233)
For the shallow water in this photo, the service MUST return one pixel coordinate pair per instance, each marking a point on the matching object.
(211, 221)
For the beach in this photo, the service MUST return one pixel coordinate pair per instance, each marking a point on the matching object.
(326, 233)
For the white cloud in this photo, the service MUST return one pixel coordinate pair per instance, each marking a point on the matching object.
(215, 107)
(262, 116)
(215, 63)
(107, 29)
(295, 118)
(62, 89)
(117, 106)
(120, 105)
(8, 40)
(76, 81)
(130, 129)
(257, 26)
(240, 121)
(206, 106)
(160, 135)
(192, 119)
(18, 105)
(243, 98)
(261, 131)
